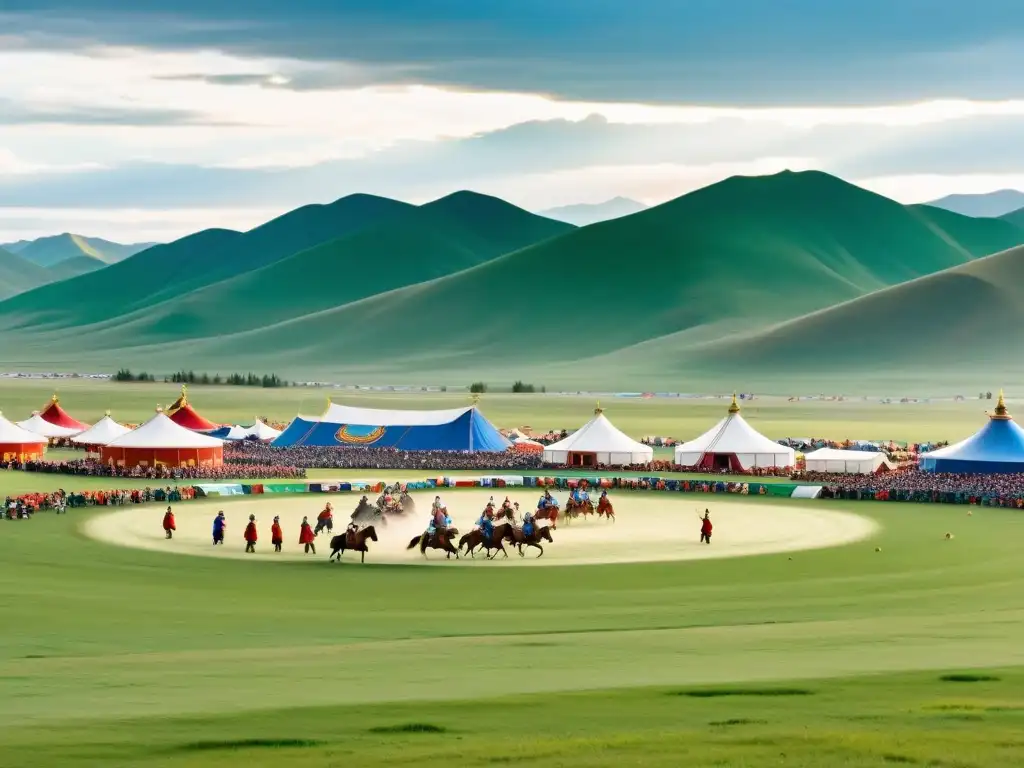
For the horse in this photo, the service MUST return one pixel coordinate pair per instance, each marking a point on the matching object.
(340, 543)
(323, 523)
(605, 508)
(520, 540)
(475, 538)
(549, 513)
(438, 540)
(368, 513)
(574, 509)
(507, 513)
(406, 503)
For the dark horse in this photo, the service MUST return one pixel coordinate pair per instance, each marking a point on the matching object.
(368, 513)
(440, 540)
(540, 532)
(324, 524)
(476, 538)
(341, 542)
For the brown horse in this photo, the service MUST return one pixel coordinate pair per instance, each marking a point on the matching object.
(605, 508)
(499, 536)
(549, 513)
(341, 542)
(540, 532)
(439, 540)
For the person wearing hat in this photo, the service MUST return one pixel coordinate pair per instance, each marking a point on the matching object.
(307, 537)
(276, 534)
(705, 528)
(220, 523)
(169, 526)
(251, 535)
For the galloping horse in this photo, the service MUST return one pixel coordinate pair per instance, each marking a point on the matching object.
(499, 536)
(368, 513)
(341, 542)
(604, 507)
(549, 513)
(540, 532)
(406, 503)
(438, 540)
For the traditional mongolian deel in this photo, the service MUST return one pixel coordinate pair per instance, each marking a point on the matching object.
(998, 447)
(459, 429)
(732, 444)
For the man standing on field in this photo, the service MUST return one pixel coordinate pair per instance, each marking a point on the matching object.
(276, 534)
(705, 528)
(169, 526)
(251, 535)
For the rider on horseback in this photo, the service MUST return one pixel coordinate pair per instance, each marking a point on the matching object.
(545, 501)
(350, 533)
(528, 525)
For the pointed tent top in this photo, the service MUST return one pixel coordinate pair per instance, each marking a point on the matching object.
(598, 410)
(1000, 413)
(181, 402)
(106, 412)
(54, 398)
(735, 407)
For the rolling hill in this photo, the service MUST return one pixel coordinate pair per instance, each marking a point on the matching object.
(990, 204)
(1015, 217)
(17, 274)
(49, 251)
(422, 243)
(75, 266)
(958, 324)
(170, 270)
(583, 214)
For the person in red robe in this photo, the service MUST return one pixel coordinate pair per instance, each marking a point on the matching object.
(307, 537)
(705, 528)
(169, 526)
(251, 535)
(276, 534)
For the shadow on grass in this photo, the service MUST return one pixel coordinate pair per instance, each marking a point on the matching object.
(409, 728)
(969, 678)
(712, 693)
(232, 744)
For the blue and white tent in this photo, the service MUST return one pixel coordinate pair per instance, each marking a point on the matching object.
(459, 429)
(998, 447)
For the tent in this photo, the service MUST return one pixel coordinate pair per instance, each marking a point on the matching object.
(54, 414)
(598, 442)
(184, 415)
(18, 444)
(998, 447)
(38, 425)
(849, 462)
(105, 431)
(732, 444)
(161, 441)
(458, 429)
(258, 431)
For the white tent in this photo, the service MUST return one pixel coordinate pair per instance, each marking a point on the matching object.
(261, 431)
(103, 432)
(40, 426)
(732, 444)
(161, 432)
(598, 442)
(12, 434)
(850, 462)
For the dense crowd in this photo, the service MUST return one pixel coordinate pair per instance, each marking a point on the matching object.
(915, 485)
(162, 472)
(249, 453)
(23, 506)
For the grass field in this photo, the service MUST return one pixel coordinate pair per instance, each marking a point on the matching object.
(114, 656)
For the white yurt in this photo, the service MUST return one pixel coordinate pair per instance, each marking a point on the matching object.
(847, 462)
(103, 432)
(733, 445)
(598, 442)
(40, 426)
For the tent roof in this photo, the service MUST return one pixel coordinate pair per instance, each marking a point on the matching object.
(838, 454)
(12, 434)
(38, 425)
(261, 431)
(161, 432)
(732, 435)
(54, 414)
(102, 433)
(379, 417)
(186, 417)
(599, 435)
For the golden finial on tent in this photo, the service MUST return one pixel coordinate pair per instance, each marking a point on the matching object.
(598, 410)
(107, 413)
(54, 398)
(735, 407)
(1000, 409)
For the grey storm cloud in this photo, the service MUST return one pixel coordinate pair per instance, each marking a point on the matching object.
(741, 52)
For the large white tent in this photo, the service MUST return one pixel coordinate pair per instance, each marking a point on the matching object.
(161, 432)
(848, 462)
(598, 442)
(40, 426)
(103, 432)
(732, 444)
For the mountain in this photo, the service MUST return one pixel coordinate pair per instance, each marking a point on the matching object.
(990, 204)
(727, 259)
(589, 213)
(75, 266)
(166, 271)
(15, 247)
(17, 274)
(47, 251)
(419, 244)
(954, 327)
(1015, 217)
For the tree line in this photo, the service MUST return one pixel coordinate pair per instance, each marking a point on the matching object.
(267, 381)
(519, 387)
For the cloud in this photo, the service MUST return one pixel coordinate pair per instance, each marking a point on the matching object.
(12, 113)
(744, 52)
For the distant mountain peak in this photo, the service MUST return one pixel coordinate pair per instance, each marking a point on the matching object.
(988, 204)
(583, 214)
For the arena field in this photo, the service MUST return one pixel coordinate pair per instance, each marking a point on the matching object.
(650, 527)
(902, 648)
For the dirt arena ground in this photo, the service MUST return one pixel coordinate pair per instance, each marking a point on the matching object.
(649, 527)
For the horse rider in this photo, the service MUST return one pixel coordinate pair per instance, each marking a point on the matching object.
(350, 533)
(506, 505)
(486, 525)
(250, 535)
(528, 525)
(545, 501)
(219, 524)
(705, 528)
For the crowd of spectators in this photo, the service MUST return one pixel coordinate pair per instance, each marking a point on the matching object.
(253, 471)
(915, 485)
(20, 507)
(248, 453)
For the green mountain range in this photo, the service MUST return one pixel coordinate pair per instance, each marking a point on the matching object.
(49, 251)
(469, 287)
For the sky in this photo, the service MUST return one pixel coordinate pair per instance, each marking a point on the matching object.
(150, 120)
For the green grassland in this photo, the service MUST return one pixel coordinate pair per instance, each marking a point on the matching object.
(828, 657)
